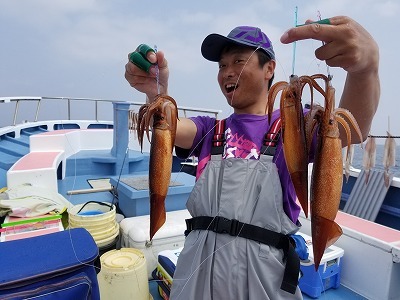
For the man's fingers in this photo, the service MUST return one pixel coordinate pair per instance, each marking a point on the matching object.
(151, 57)
(309, 31)
(326, 31)
(161, 61)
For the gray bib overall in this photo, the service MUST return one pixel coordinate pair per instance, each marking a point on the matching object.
(220, 266)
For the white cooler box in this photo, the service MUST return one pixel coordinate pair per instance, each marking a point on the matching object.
(135, 234)
(314, 283)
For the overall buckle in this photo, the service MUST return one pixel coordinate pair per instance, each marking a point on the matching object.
(224, 225)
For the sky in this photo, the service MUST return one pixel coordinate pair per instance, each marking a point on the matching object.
(79, 48)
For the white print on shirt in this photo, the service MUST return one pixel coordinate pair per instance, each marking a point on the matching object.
(239, 147)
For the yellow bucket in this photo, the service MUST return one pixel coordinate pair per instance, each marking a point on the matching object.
(98, 218)
(92, 211)
(123, 275)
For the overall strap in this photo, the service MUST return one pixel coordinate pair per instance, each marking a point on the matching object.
(218, 141)
(271, 138)
(269, 144)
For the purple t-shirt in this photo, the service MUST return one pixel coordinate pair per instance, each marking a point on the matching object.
(244, 136)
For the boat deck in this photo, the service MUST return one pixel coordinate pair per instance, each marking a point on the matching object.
(77, 178)
(341, 293)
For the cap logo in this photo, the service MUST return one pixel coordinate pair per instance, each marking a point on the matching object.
(257, 38)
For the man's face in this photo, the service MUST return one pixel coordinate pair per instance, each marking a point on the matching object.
(241, 79)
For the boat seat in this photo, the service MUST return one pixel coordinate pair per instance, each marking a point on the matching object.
(365, 200)
(38, 168)
(49, 150)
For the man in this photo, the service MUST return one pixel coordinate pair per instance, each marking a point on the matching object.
(244, 209)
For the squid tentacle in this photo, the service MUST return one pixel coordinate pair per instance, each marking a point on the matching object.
(349, 116)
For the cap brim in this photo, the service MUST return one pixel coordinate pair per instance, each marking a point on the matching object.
(213, 45)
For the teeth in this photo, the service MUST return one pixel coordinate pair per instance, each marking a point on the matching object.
(230, 87)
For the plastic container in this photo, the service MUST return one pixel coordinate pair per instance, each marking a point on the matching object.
(123, 275)
(92, 220)
(106, 233)
(135, 233)
(98, 218)
(95, 227)
(101, 243)
(328, 274)
(92, 211)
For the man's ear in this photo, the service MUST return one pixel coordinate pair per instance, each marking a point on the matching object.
(269, 68)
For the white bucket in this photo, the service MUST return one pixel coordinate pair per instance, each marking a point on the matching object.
(102, 242)
(97, 218)
(92, 228)
(123, 275)
(94, 220)
(106, 233)
(91, 211)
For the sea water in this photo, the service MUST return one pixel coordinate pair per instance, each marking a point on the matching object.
(359, 153)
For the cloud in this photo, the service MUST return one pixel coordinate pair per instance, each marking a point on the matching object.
(388, 8)
(75, 47)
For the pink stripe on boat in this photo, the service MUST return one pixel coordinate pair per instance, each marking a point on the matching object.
(55, 132)
(65, 131)
(366, 227)
(36, 160)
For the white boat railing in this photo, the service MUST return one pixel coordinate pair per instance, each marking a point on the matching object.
(183, 111)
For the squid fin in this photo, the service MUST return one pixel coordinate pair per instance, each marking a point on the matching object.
(157, 214)
(326, 232)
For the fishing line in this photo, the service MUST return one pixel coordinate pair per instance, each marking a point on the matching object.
(213, 127)
(157, 73)
(294, 43)
(203, 235)
(69, 226)
(69, 200)
(126, 152)
(133, 118)
(123, 163)
(75, 151)
(220, 206)
(240, 74)
(231, 108)
(231, 102)
(323, 43)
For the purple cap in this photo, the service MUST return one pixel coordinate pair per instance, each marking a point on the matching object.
(214, 43)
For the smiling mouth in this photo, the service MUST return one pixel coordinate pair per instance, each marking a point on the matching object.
(230, 87)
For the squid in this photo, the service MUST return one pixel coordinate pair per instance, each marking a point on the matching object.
(347, 162)
(327, 173)
(295, 146)
(298, 132)
(161, 115)
(369, 157)
(389, 157)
